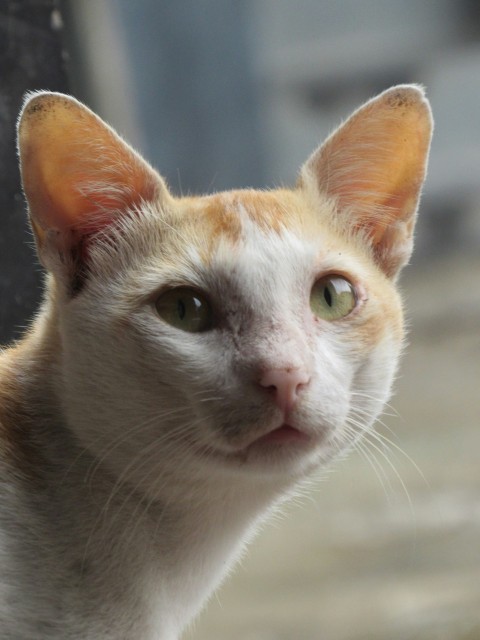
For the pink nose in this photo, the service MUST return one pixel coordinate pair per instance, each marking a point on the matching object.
(285, 385)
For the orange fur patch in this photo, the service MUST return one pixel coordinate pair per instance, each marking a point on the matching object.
(222, 220)
(224, 212)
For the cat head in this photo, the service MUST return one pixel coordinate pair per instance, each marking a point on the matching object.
(243, 333)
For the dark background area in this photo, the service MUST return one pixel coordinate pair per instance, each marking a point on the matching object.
(31, 57)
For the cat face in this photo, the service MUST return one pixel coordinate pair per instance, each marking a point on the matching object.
(275, 377)
(244, 334)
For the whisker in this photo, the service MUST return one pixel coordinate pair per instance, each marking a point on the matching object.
(99, 456)
(396, 473)
(122, 479)
(147, 505)
(389, 444)
(369, 396)
(126, 435)
(376, 467)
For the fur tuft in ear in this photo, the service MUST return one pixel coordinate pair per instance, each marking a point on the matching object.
(78, 175)
(373, 167)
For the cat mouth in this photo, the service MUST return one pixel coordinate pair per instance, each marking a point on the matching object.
(278, 444)
(285, 434)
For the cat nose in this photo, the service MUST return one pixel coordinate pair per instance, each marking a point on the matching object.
(285, 385)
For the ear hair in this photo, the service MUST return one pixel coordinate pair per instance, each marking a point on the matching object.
(79, 177)
(373, 168)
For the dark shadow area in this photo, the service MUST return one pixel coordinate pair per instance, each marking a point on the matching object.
(31, 58)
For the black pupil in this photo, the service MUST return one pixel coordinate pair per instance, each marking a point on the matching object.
(181, 309)
(328, 296)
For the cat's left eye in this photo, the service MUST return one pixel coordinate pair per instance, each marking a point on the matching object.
(332, 298)
(186, 309)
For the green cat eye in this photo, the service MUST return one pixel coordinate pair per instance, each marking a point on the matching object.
(186, 309)
(332, 298)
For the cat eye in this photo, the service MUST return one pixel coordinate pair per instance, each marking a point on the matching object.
(332, 298)
(185, 309)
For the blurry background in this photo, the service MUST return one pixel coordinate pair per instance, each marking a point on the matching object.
(224, 93)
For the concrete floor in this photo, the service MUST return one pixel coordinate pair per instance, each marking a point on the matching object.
(400, 562)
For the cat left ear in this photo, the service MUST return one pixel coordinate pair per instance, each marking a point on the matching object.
(78, 175)
(373, 168)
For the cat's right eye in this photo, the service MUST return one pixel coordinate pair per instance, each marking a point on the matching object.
(332, 297)
(186, 309)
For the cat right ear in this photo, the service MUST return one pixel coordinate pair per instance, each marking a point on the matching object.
(78, 176)
(372, 168)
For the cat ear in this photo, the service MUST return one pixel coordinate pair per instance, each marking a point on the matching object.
(373, 167)
(78, 175)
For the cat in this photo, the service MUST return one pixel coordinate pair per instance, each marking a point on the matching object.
(194, 361)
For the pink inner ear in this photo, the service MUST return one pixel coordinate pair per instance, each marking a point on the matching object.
(98, 205)
(78, 174)
(374, 166)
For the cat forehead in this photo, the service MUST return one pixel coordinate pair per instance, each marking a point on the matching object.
(236, 214)
(235, 226)
(272, 230)
(248, 221)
